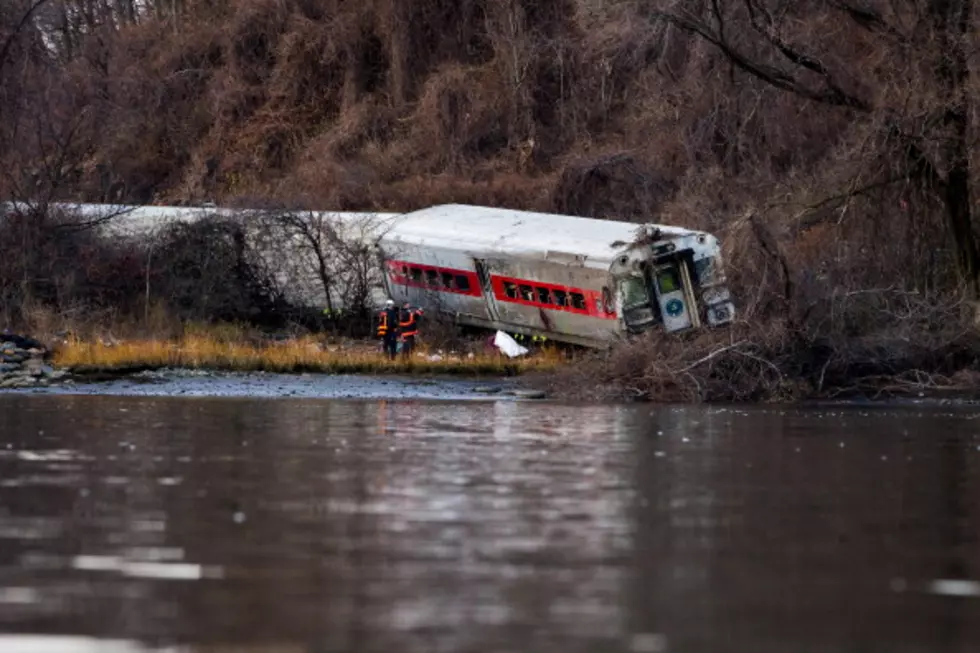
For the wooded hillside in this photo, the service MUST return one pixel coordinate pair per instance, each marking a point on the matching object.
(832, 143)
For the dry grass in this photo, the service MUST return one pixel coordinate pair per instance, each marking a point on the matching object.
(293, 356)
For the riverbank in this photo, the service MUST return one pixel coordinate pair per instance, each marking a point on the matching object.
(226, 364)
(697, 369)
(770, 363)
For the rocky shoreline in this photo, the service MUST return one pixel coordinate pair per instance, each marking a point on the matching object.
(24, 363)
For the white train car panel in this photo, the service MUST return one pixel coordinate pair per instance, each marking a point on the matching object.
(435, 278)
(553, 298)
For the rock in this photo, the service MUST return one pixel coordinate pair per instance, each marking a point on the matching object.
(34, 367)
(13, 357)
(529, 394)
(21, 342)
(21, 368)
(17, 382)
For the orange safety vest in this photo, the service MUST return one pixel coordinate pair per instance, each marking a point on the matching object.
(383, 323)
(409, 325)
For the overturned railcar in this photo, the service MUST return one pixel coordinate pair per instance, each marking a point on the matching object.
(571, 279)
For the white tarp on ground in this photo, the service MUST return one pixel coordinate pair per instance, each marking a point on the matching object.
(508, 345)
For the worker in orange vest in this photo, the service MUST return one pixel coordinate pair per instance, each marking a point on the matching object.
(409, 327)
(388, 329)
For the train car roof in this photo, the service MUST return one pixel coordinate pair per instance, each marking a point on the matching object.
(486, 230)
(477, 230)
(134, 219)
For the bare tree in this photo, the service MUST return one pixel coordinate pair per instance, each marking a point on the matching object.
(321, 259)
(315, 237)
(925, 134)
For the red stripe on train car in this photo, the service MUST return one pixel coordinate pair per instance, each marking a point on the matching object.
(551, 297)
(434, 278)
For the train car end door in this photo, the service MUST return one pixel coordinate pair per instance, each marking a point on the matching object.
(674, 295)
(483, 274)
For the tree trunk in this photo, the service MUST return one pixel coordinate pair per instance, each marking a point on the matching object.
(960, 215)
(324, 277)
(952, 19)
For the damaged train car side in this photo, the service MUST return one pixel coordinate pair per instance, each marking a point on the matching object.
(572, 279)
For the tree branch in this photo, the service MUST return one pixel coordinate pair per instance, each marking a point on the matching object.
(713, 354)
(768, 31)
(832, 95)
(24, 20)
(866, 18)
(810, 222)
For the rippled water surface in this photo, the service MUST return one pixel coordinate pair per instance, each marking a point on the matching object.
(220, 524)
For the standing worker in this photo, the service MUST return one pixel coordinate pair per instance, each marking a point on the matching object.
(409, 326)
(388, 329)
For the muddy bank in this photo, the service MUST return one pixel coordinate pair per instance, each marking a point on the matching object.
(204, 383)
(198, 383)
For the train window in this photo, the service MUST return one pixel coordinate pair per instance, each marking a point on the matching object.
(527, 293)
(544, 297)
(447, 280)
(668, 280)
(561, 298)
(578, 301)
(432, 277)
(510, 289)
(462, 283)
(416, 275)
(405, 271)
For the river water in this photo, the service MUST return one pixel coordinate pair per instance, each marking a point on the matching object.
(133, 523)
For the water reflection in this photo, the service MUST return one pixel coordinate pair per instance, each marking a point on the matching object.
(379, 525)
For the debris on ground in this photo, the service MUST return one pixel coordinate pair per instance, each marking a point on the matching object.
(508, 346)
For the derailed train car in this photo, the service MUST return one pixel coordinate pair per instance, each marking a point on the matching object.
(572, 279)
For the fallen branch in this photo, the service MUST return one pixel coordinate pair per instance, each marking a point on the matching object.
(759, 359)
(901, 384)
(710, 356)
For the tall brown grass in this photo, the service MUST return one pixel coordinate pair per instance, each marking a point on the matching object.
(307, 354)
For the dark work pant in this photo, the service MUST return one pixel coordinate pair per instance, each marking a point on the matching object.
(391, 346)
(408, 344)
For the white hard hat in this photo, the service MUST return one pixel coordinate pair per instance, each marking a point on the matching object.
(390, 302)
